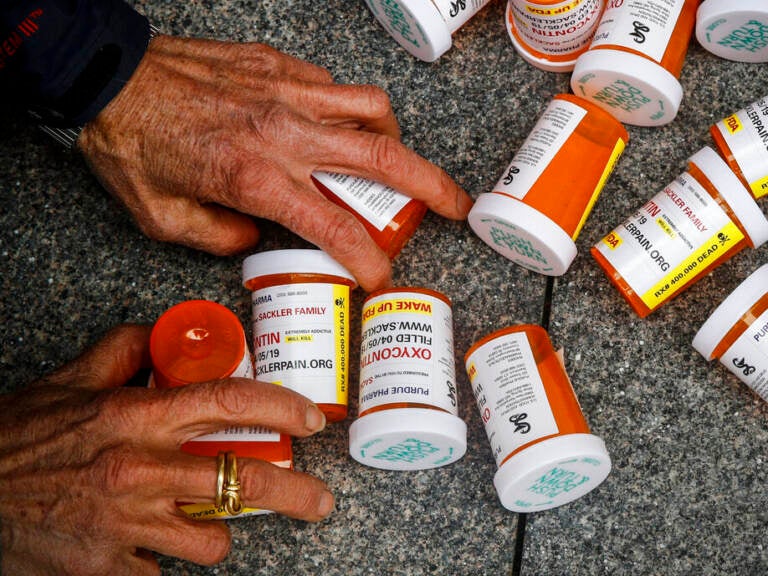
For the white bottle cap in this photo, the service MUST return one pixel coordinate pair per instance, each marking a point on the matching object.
(634, 89)
(522, 234)
(541, 63)
(297, 261)
(734, 193)
(712, 332)
(407, 439)
(417, 25)
(734, 30)
(552, 472)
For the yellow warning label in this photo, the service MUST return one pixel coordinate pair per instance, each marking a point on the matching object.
(696, 263)
(299, 338)
(341, 321)
(664, 225)
(760, 187)
(733, 124)
(613, 240)
(565, 8)
(208, 511)
(397, 306)
(472, 371)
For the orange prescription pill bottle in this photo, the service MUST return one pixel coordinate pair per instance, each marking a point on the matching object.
(741, 139)
(539, 205)
(697, 222)
(734, 30)
(424, 27)
(390, 217)
(198, 341)
(737, 332)
(634, 61)
(545, 453)
(408, 412)
(550, 34)
(301, 324)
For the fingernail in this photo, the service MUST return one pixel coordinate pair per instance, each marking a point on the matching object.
(326, 504)
(315, 419)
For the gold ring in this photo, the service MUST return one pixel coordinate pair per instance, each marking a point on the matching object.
(221, 473)
(231, 493)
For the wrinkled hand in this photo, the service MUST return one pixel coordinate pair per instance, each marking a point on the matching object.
(207, 132)
(90, 471)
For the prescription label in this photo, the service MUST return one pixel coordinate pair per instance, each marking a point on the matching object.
(510, 394)
(375, 202)
(556, 28)
(554, 127)
(746, 134)
(301, 339)
(406, 352)
(457, 13)
(678, 234)
(642, 25)
(747, 358)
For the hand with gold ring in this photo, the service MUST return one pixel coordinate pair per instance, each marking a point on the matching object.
(90, 470)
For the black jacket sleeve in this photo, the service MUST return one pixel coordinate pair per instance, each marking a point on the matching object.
(64, 60)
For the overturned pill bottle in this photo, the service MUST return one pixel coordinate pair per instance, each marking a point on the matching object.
(741, 140)
(634, 61)
(544, 451)
(199, 341)
(735, 31)
(408, 410)
(550, 34)
(736, 333)
(697, 222)
(424, 27)
(389, 217)
(540, 204)
(300, 304)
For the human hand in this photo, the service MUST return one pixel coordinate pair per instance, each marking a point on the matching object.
(90, 471)
(207, 132)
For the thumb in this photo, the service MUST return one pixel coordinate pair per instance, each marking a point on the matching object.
(110, 363)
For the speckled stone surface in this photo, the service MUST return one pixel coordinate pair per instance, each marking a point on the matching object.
(688, 441)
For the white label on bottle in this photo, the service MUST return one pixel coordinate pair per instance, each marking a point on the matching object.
(746, 134)
(300, 339)
(747, 358)
(556, 29)
(670, 240)
(456, 13)
(241, 433)
(375, 202)
(556, 125)
(510, 394)
(642, 25)
(406, 352)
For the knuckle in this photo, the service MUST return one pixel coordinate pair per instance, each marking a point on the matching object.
(256, 484)
(378, 101)
(343, 233)
(324, 75)
(229, 399)
(262, 59)
(117, 471)
(158, 224)
(269, 123)
(386, 154)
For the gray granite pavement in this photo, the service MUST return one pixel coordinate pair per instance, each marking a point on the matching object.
(687, 494)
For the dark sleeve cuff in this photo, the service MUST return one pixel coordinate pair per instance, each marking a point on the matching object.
(73, 56)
